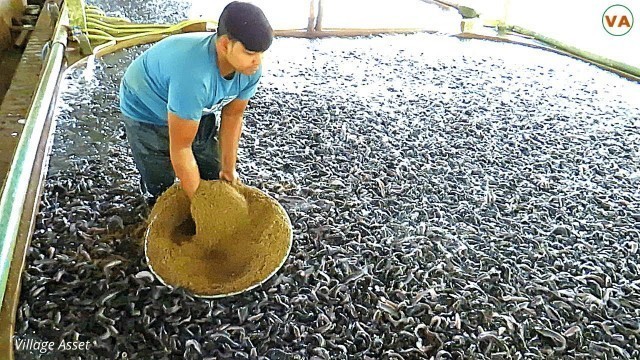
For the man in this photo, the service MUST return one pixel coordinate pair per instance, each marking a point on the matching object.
(170, 93)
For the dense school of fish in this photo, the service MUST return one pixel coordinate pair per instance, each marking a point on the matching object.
(450, 200)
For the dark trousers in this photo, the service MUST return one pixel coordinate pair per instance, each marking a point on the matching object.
(149, 145)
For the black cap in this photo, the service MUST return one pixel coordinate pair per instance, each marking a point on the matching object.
(246, 23)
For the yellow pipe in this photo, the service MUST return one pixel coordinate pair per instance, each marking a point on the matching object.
(112, 31)
(91, 31)
(128, 25)
(107, 19)
(114, 46)
(114, 43)
(95, 11)
(93, 8)
(150, 27)
(101, 37)
(115, 33)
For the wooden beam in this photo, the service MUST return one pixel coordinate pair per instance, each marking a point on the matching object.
(312, 16)
(346, 32)
(319, 19)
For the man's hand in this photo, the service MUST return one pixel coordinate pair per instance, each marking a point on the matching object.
(191, 188)
(230, 176)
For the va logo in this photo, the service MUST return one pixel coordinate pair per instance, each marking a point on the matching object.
(617, 20)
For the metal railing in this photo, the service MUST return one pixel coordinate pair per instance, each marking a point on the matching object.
(14, 193)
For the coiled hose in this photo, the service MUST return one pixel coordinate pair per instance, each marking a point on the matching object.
(107, 34)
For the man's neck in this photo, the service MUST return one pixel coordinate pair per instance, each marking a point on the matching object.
(226, 70)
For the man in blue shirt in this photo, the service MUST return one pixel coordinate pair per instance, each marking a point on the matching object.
(169, 96)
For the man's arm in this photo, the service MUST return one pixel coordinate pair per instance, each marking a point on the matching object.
(181, 135)
(230, 131)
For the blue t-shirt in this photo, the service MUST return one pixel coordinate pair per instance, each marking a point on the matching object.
(180, 74)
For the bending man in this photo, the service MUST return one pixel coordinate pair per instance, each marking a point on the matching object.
(169, 96)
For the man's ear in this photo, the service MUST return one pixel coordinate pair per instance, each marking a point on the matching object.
(225, 42)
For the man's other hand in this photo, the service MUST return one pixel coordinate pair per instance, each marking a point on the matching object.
(230, 176)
